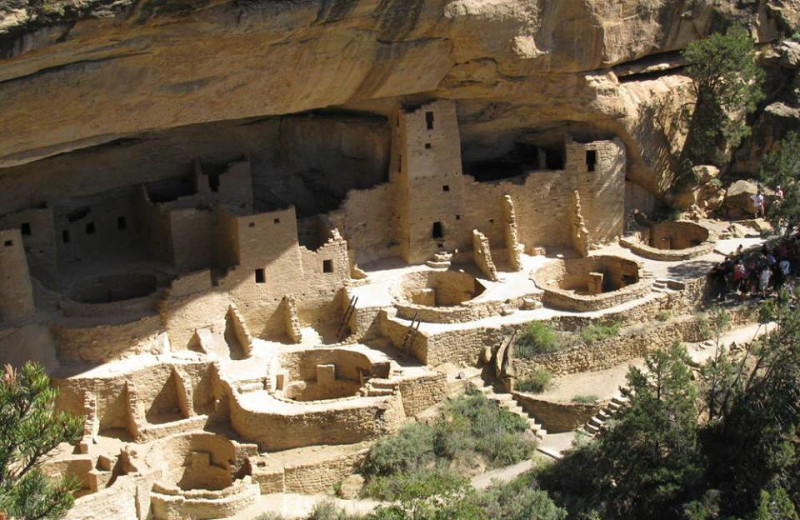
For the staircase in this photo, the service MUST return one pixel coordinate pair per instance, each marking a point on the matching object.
(594, 425)
(379, 387)
(507, 401)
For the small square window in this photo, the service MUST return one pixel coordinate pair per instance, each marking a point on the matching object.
(327, 266)
(90, 228)
(458, 217)
(252, 224)
(445, 188)
(122, 223)
(591, 160)
(260, 277)
(276, 221)
(25, 228)
(8, 243)
(427, 146)
(491, 221)
(65, 236)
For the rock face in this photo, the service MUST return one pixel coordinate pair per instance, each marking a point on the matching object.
(79, 74)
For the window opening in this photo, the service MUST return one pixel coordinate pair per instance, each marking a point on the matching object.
(260, 278)
(429, 120)
(327, 266)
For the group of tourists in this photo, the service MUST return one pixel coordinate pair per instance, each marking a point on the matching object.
(759, 273)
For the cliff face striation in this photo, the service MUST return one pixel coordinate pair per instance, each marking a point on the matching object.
(77, 74)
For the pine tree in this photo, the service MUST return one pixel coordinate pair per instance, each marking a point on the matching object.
(29, 429)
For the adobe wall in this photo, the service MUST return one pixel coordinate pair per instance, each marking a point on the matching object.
(118, 502)
(40, 240)
(346, 422)
(608, 353)
(601, 187)
(101, 343)
(16, 290)
(556, 417)
(366, 219)
(95, 229)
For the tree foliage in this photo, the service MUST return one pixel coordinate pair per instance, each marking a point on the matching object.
(726, 84)
(29, 429)
(720, 443)
(781, 167)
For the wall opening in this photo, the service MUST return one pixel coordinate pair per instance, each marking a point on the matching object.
(90, 228)
(65, 236)
(25, 228)
(591, 159)
(122, 223)
(213, 182)
(260, 277)
(427, 146)
(437, 231)
(327, 266)
(429, 120)
(446, 187)
(8, 243)
(276, 221)
(554, 159)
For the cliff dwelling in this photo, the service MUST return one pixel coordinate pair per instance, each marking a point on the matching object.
(241, 279)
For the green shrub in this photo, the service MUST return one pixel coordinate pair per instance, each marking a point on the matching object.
(415, 462)
(328, 510)
(410, 448)
(585, 399)
(663, 315)
(519, 499)
(538, 382)
(473, 423)
(417, 484)
(599, 332)
(538, 338)
(270, 516)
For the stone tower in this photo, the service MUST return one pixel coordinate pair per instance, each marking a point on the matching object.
(426, 170)
(16, 291)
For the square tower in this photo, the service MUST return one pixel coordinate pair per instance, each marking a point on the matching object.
(426, 168)
(16, 291)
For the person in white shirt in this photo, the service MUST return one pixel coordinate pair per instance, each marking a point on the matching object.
(758, 204)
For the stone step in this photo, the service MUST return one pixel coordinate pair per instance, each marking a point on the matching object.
(379, 392)
(595, 421)
(255, 386)
(621, 401)
(604, 414)
(382, 383)
(592, 429)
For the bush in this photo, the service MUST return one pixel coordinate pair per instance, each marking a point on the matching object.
(270, 516)
(663, 315)
(328, 510)
(538, 338)
(585, 399)
(538, 382)
(414, 463)
(416, 484)
(409, 449)
(599, 332)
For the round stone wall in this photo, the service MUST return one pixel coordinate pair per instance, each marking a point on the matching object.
(671, 241)
(592, 283)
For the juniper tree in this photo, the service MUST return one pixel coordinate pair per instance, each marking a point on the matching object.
(726, 83)
(29, 429)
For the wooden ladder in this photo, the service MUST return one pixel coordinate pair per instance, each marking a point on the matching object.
(351, 308)
(411, 334)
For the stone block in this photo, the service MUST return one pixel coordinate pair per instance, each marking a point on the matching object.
(594, 283)
(281, 379)
(326, 374)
